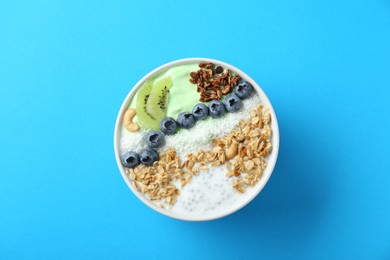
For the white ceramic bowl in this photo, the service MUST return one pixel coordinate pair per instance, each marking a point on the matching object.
(250, 194)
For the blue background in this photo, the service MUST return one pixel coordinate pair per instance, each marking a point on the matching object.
(66, 67)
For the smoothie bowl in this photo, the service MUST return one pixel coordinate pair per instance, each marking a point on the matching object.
(196, 139)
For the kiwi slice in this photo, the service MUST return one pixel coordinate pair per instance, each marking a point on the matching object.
(156, 105)
(144, 118)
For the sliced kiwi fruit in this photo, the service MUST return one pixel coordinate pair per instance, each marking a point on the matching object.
(145, 119)
(156, 105)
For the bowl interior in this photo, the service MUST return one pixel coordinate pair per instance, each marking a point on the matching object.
(250, 194)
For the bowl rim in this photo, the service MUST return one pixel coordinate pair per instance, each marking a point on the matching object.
(257, 188)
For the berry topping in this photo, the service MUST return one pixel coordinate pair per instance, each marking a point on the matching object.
(216, 109)
(148, 156)
(168, 126)
(186, 120)
(154, 138)
(244, 89)
(130, 160)
(232, 103)
(200, 111)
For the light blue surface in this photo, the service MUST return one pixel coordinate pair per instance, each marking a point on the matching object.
(66, 67)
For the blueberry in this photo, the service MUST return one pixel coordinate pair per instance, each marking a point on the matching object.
(130, 159)
(216, 109)
(186, 120)
(200, 111)
(148, 156)
(233, 103)
(243, 89)
(154, 138)
(168, 126)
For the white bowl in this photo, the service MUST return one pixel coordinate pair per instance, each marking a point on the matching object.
(250, 193)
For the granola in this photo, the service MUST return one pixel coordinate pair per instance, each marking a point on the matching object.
(212, 83)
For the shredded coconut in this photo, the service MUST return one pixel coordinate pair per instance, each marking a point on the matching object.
(199, 137)
(132, 141)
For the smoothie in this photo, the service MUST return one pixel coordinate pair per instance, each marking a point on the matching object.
(195, 138)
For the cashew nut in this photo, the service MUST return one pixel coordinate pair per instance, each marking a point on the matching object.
(128, 120)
